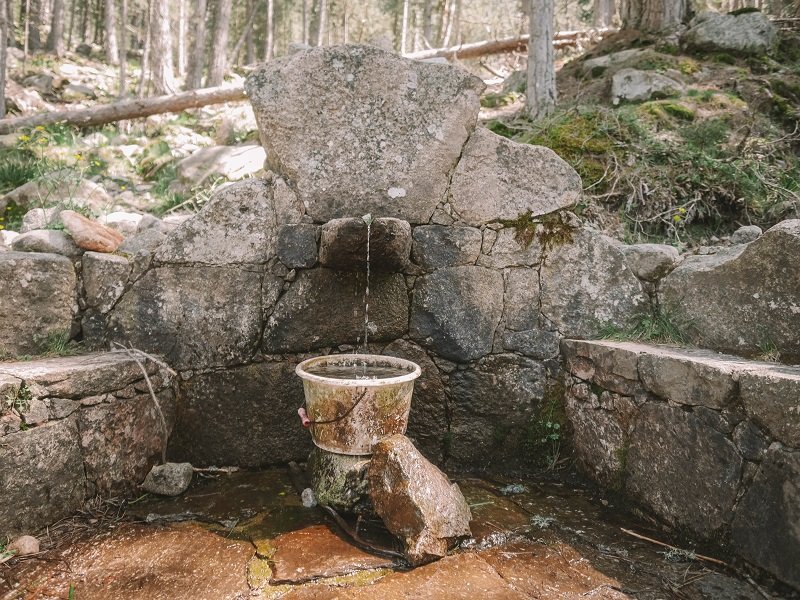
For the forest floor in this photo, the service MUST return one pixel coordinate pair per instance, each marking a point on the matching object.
(687, 169)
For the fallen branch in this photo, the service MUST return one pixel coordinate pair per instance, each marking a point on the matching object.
(127, 109)
(716, 561)
(561, 39)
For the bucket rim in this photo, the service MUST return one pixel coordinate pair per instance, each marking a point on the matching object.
(301, 371)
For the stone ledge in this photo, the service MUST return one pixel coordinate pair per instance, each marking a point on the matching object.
(697, 438)
(75, 427)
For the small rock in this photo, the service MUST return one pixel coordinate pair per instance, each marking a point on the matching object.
(7, 237)
(24, 545)
(307, 497)
(40, 82)
(90, 235)
(650, 262)
(73, 92)
(150, 222)
(633, 85)
(36, 413)
(48, 241)
(124, 222)
(416, 500)
(169, 479)
(144, 242)
(38, 218)
(746, 234)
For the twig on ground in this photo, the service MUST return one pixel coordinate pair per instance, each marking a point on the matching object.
(716, 561)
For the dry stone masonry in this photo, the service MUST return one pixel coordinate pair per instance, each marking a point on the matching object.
(479, 272)
(72, 428)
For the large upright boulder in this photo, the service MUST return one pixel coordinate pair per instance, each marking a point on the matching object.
(745, 299)
(379, 134)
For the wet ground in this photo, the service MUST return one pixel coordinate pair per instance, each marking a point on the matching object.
(247, 535)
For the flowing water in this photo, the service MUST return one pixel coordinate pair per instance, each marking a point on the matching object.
(368, 220)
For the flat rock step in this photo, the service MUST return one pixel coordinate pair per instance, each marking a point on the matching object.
(75, 427)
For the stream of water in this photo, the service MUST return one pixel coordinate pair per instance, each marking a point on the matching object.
(368, 220)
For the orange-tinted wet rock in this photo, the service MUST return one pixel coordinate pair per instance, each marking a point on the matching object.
(416, 500)
(458, 577)
(89, 234)
(316, 552)
(142, 562)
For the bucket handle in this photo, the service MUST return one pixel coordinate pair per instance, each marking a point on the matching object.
(307, 422)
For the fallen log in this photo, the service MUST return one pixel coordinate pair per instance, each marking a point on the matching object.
(561, 39)
(127, 109)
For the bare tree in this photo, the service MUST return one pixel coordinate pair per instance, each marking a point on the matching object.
(55, 39)
(194, 79)
(161, 70)
(540, 98)
(404, 29)
(182, 23)
(3, 50)
(269, 50)
(653, 15)
(602, 12)
(123, 47)
(219, 47)
(112, 50)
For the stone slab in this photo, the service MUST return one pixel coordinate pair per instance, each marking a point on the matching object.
(315, 552)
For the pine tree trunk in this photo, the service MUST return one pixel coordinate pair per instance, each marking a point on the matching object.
(147, 48)
(603, 12)
(219, 47)
(653, 15)
(540, 98)
(269, 51)
(323, 22)
(3, 50)
(427, 22)
(112, 49)
(195, 77)
(55, 40)
(182, 24)
(161, 70)
(34, 25)
(123, 48)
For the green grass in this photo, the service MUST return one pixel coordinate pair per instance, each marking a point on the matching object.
(661, 327)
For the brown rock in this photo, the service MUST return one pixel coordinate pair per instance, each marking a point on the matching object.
(316, 552)
(24, 545)
(416, 500)
(89, 234)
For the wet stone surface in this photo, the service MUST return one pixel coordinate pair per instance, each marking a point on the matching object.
(247, 535)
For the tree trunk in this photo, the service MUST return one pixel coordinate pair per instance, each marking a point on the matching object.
(540, 98)
(323, 22)
(34, 25)
(112, 50)
(305, 21)
(195, 77)
(653, 15)
(161, 71)
(219, 48)
(98, 19)
(3, 50)
(427, 22)
(123, 47)
(55, 40)
(127, 109)
(404, 27)
(148, 32)
(603, 12)
(182, 24)
(269, 50)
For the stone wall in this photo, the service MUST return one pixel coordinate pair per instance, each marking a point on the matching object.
(477, 269)
(74, 428)
(709, 443)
